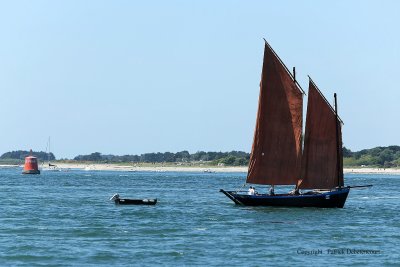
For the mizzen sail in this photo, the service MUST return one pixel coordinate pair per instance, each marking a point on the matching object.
(276, 151)
(322, 167)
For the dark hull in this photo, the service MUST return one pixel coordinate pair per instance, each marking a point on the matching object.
(329, 199)
(31, 172)
(135, 201)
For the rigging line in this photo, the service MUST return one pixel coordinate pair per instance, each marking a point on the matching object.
(359, 186)
(287, 70)
(244, 185)
(323, 97)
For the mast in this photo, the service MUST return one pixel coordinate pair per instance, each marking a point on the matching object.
(337, 143)
(322, 95)
(294, 74)
(48, 157)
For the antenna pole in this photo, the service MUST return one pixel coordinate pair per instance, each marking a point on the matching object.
(48, 158)
(337, 143)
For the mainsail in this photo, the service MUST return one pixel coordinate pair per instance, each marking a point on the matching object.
(322, 167)
(276, 152)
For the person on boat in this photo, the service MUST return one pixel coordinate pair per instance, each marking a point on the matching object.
(251, 191)
(295, 191)
(272, 190)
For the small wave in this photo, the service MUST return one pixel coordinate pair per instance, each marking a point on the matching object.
(176, 253)
(281, 222)
(385, 197)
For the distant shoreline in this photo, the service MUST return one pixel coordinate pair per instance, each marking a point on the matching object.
(156, 168)
(206, 169)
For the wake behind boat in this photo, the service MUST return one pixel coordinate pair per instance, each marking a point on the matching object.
(126, 201)
(280, 157)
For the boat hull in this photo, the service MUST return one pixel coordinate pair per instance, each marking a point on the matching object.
(329, 199)
(135, 201)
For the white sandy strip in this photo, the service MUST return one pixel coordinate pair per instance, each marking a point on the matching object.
(372, 170)
(112, 167)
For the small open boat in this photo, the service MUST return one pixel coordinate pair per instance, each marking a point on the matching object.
(127, 201)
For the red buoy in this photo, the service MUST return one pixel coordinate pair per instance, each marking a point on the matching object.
(31, 165)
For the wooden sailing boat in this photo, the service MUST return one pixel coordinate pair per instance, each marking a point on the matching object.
(277, 157)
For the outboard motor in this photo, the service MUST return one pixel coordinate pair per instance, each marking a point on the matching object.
(115, 197)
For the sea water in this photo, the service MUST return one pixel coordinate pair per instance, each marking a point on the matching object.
(66, 219)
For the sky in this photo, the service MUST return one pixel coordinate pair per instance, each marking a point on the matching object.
(132, 77)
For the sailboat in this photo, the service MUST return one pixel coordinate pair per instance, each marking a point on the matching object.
(50, 167)
(277, 156)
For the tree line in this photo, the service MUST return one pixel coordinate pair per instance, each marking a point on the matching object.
(233, 158)
(21, 154)
(385, 157)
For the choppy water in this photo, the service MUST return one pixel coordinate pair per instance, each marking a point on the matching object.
(65, 219)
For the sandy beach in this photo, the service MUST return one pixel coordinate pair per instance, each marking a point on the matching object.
(209, 169)
(114, 167)
(372, 170)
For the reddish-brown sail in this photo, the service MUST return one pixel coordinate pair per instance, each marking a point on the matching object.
(276, 152)
(322, 167)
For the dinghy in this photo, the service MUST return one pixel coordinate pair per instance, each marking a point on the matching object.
(127, 201)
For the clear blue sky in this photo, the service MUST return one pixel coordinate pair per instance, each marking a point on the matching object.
(129, 77)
